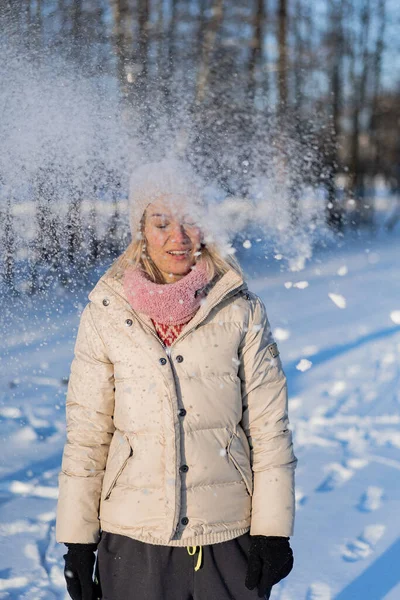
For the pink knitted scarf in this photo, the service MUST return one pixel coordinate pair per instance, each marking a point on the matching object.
(171, 303)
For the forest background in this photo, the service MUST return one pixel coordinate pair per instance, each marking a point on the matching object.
(302, 94)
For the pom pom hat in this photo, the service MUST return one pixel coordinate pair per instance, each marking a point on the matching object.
(171, 180)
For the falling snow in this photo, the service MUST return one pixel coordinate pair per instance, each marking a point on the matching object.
(304, 365)
(395, 316)
(338, 299)
(67, 151)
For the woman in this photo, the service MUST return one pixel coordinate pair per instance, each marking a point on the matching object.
(179, 464)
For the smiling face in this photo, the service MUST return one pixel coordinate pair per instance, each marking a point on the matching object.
(172, 239)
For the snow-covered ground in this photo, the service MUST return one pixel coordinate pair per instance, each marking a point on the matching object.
(337, 324)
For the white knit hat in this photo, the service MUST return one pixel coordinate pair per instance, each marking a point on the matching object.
(169, 179)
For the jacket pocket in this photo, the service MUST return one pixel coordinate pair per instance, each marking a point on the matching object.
(120, 452)
(240, 461)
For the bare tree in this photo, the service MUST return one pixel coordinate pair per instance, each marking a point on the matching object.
(298, 56)
(167, 77)
(127, 70)
(282, 59)
(256, 47)
(336, 51)
(375, 138)
(210, 35)
(359, 70)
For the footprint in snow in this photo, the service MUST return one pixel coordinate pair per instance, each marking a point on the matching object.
(13, 583)
(337, 476)
(10, 412)
(21, 526)
(363, 546)
(42, 427)
(35, 591)
(371, 499)
(301, 498)
(319, 591)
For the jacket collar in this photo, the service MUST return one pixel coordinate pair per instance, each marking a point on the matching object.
(229, 284)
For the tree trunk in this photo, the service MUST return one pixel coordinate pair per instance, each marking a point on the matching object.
(256, 48)
(377, 73)
(282, 59)
(360, 63)
(334, 209)
(208, 47)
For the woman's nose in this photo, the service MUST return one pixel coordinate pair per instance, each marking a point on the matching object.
(178, 233)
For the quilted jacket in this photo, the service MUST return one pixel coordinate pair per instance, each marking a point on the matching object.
(186, 445)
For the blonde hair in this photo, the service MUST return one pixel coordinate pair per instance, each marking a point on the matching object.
(136, 256)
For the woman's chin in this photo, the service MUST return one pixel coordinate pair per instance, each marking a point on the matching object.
(178, 270)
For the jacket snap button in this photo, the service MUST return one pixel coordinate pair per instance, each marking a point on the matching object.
(184, 521)
(179, 358)
(163, 361)
(182, 412)
(129, 322)
(106, 302)
(184, 469)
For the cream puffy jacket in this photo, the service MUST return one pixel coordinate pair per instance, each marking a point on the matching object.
(181, 446)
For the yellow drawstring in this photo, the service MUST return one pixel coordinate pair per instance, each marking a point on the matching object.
(192, 551)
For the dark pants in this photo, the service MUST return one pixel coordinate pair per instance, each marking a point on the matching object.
(132, 570)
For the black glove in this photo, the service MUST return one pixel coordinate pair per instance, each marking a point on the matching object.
(270, 560)
(78, 572)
